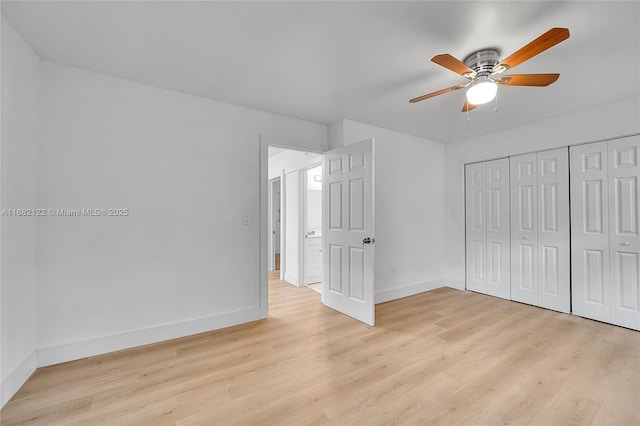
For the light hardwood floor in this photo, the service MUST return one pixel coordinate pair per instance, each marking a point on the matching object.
(442, 357)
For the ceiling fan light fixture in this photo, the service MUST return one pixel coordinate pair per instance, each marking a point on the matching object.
(482, 92)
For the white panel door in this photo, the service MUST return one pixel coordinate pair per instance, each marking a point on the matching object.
(476, 226)
(498, 240)
(553, 272)
(524, 229)
(348, 231)
(623, 231)
(590, 231)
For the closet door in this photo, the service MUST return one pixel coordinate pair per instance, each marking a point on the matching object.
(524, 221)
(624, 240)
(554, 291)
(590, 231)
(476, 227)
(498, 252)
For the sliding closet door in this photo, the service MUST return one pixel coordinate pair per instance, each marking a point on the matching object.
(524, 229)
(624, 240)
(476, 227)
(554, 290)
(498, 245)
(590, 231)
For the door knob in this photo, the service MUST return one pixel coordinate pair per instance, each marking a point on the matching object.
(526, 237)
(495, 236)
(368, 240)
(626, 243)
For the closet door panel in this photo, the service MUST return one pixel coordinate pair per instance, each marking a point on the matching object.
(476, 226)
(498, 241)
(623, 231)
(590, 231)
(524, 224)
(554, 291)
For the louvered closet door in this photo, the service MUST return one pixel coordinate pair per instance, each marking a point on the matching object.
(590, 231)
(476, 227)
(624, 240)
(498, 245)
(524, 224)
(554, 291)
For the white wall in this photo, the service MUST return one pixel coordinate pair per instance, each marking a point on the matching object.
(409, 188)
(314, 210)
(604, 121)
(18, 163)
(187, 168)
(276, 214)
(291, 224)
(314, 202)
(291, 160)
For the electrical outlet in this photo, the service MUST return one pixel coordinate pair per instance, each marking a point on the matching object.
(246, 219)
(393, 269)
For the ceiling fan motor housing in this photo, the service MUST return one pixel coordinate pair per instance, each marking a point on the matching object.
(483, 61)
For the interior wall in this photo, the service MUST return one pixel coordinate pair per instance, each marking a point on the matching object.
(18, 163)
(276, 214)
(314, 199)
(187, 169)
(291, 223)
(314, 210)
(409, 188)
(290, 160)
(314, 207)
(601, 122)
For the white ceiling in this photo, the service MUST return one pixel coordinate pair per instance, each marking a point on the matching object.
(323, 61)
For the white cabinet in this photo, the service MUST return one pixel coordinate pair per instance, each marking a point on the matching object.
(604, 223)
(313, 260)
(487, 225)
(540, 229)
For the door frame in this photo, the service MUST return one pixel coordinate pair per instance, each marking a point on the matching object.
(272, 239)
(303, 221)
(263, 247)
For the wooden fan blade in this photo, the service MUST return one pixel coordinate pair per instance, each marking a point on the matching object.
(539, 80)
(468, 107)
(439, 92)
(539, 45)
(453, 64)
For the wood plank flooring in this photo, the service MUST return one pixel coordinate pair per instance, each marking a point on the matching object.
(442, 357)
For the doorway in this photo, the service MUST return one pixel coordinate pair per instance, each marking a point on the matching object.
(295, 216)
(312, 225)
(347, 231)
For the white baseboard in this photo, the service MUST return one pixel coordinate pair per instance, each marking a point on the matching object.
(458, 285)
(56, 354)
(410, 290)
(14, 381)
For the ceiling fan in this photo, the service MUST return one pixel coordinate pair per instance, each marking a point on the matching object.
(483, 69)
